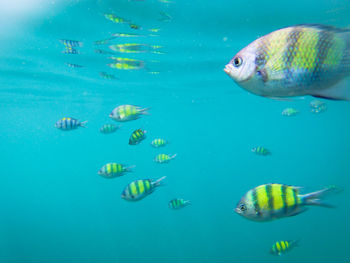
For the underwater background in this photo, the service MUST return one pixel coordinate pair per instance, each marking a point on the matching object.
(54, 205)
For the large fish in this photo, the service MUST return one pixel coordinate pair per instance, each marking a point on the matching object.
(296, 61)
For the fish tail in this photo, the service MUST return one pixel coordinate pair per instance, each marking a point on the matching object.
(294, 243)
(144, 111)
(157, 182)
(83, 124)
(173, 156)
(315, 198)
(188, 202)
(130, 168)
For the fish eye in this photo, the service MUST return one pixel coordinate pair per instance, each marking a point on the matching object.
(237, 61)
(242, 207)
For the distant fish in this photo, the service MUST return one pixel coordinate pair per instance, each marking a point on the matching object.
(261, 151)
(274, 201)
(71, 65)
(112, 170)
(139, 189)
(127, 113)
(116, 19)
(137, 136)
(134, 26)
(103, 52)
(178, 203)
(124, 66)
(281, 247)
(126, 63)
(133, 48)
(70, 50)
(156, 143)
(164, 158)
(71, 43)
(108, 128)
(107, 76)
(318, 106)
(67, 124)
(126, 35)
(154, 72)
(289, 112)
(154, 30)
(104, 41)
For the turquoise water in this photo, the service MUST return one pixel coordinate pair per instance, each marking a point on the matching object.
(56, 208)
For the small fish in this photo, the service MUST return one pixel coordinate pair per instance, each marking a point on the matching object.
(274, 201)
(104, 41)
(112, 170)
(296, 61)
(67, 124)
(289, 112)
(127, 113)
(108, 128)
(137, 136)
(133, 48)
(71, 65)
(103, 52)
(129, 61)
(127, 35)
(156, 143)
(134, 26)
(165, 1)
(107, 76)
(71, 43)
(154, 72)
(139, 189)
(261, 151)
(115, 19)
(123, 66)
(154, 30)
(165, 17)
(70, 50)
(164, 158)
(318, 106)
(281, 247)
(178, 203)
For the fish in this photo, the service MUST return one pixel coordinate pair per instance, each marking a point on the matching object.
(133, 48)
(70, 50)
(294, 61)
(107, 76)
(318, 106)
(164, 158)
(139, 189)
(71, 43)
(127, 113)
(104, 41)
(112, 170)
(289, 112)
(134, 26)
(116, 19)
(281, 247)
(137, 136)
(126, 63)
(259, 150)
(156, 143)
(103, 52)
(71, 65)
(123, 66)
(68, 123)
(275, 201)
(154, 30)
(126, 35)
(178, 203)
(108, 128)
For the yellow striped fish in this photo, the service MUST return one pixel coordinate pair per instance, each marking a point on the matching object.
(281, 247)
(139, 189)
(127, 113)
(112, 170)
(296, 61)
(274, 201)
(164, 158)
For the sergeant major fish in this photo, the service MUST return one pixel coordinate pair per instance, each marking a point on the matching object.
(112, 170)
(281, 247)
(164, 158)
(289, 112)
(67, 124)
(108, 128)
(274, 201)
(127, 113)
(139, 189)
(178, 203)
(156, 143)
(259, 150)
(296, 61)
(137, 136)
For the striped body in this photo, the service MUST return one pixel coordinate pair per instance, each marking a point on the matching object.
(289, 112)
(178, 203)
(70, 50)
(158, 143)
(133, 48)
(318, 106)
(115, 19)
(107, 76)
(112, 170)
(71, 43)
(73, 65)
(270, 201)
(108, 128)
(294, 61)
(139, 189)
(126, 35)
(135, 63)
(281, 247)
(124, 66)
(127, 113)
(137, 136)
(261, 151)
(67, 124)
(164, 158)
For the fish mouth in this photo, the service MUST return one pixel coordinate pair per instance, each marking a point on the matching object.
(227, 69)
(237, 210)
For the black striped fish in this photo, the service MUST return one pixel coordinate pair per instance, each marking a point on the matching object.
(178, 203)
(164, 158)
(71, 43)
(108, 128)
(139, 189)
(296, 61)
(259, 150)
(273, 201)
(281, 247)
(67, 124)
(112, 170)
(137, 136)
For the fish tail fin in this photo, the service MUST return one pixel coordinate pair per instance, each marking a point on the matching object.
(130, 168)
(157, 182)
(315, 198)
(188, 202)
(83, 124)
(173, 156)
(144, 111)
(294, 243)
